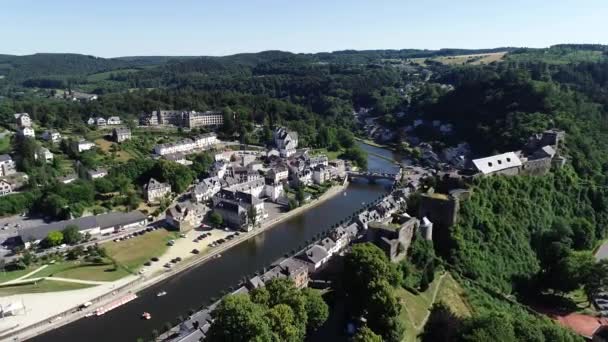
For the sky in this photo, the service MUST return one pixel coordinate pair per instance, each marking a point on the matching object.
(112, 28)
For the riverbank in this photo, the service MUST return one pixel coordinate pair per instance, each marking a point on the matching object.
(148, 279)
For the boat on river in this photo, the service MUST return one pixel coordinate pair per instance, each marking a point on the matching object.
(146, 315)
(161, 293)
(113, 305)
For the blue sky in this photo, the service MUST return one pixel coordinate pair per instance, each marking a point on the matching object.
(111, 28)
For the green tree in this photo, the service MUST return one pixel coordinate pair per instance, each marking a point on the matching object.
(282, 323)
(317, 310)
(236, 319)
(365, 334)
(71, 234)
(216, 219)
(54, 238)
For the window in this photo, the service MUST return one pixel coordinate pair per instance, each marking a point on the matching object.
(490, 164)
(499, 162)
(509, 160)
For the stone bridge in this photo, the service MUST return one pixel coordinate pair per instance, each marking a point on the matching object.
(373, 175)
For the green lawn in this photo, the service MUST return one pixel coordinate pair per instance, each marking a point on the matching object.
(100, 272)
(331, 155)
(133, 253)
(452, 294)
(40, 287)
(5, 144)
(6, 276)
(415, 307)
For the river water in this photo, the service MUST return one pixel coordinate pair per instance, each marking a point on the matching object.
(200, 285)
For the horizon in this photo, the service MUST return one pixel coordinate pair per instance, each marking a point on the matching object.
(203, 28)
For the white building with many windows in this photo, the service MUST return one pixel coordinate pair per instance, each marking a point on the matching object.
(23, 120)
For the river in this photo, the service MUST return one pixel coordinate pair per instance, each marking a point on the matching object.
(199, 285)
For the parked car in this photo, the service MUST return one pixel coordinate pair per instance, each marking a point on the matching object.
(154, 259)
(195, 251)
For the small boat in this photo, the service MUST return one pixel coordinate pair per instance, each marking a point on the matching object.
(161, 293)
(146, 315)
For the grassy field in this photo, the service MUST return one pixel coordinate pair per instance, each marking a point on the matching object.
(416, 307)
(133, 253)
(105, 145)
(103, 272)
(475, 59)
(40, 287)
(452, 294)
(557, 56)
(5, 144)
(331, 155)
(6, 276)
(81, 270)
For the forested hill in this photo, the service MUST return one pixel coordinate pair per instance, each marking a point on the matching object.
(65, 65)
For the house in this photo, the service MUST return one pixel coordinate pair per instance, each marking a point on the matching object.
(286, 141)
(113, 120)
(302, 178)
(236, 206)
(23, 120)
(82, 145)
(156, 190)
(43, 153)
(100, 121)
(314, 257)
(52, 136)
(193, 119)
(67, 179)
(96, 173)
(27, 132)
(184, 146)
(393, 238)
(185, 216)
(121, 134)
(504, 164)
(91, 121)
(273, 191)
(330, 245)
(253, 187)
(321, 174)
(5, 187)
(179, 158)
(93, 225)
(204, 190)
(7, 165)
(219, 169)
(290, 268)
(277, 174)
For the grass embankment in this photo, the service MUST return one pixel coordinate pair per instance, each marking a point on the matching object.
(105, 145)
(331, 155)
(41, 286)
(133, 253)
(82, 271)
(416, 306)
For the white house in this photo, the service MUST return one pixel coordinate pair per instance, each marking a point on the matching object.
(43, 153)
(23, 120)
(113, 120)
(52, 136)
(156, 190)
(286, 141)
(204, 190)
(7, 165)
(277, 174)
(100, 121)
(97, 173)
(82, 145)
(91, 121)
(27, 132)
(5, 188)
